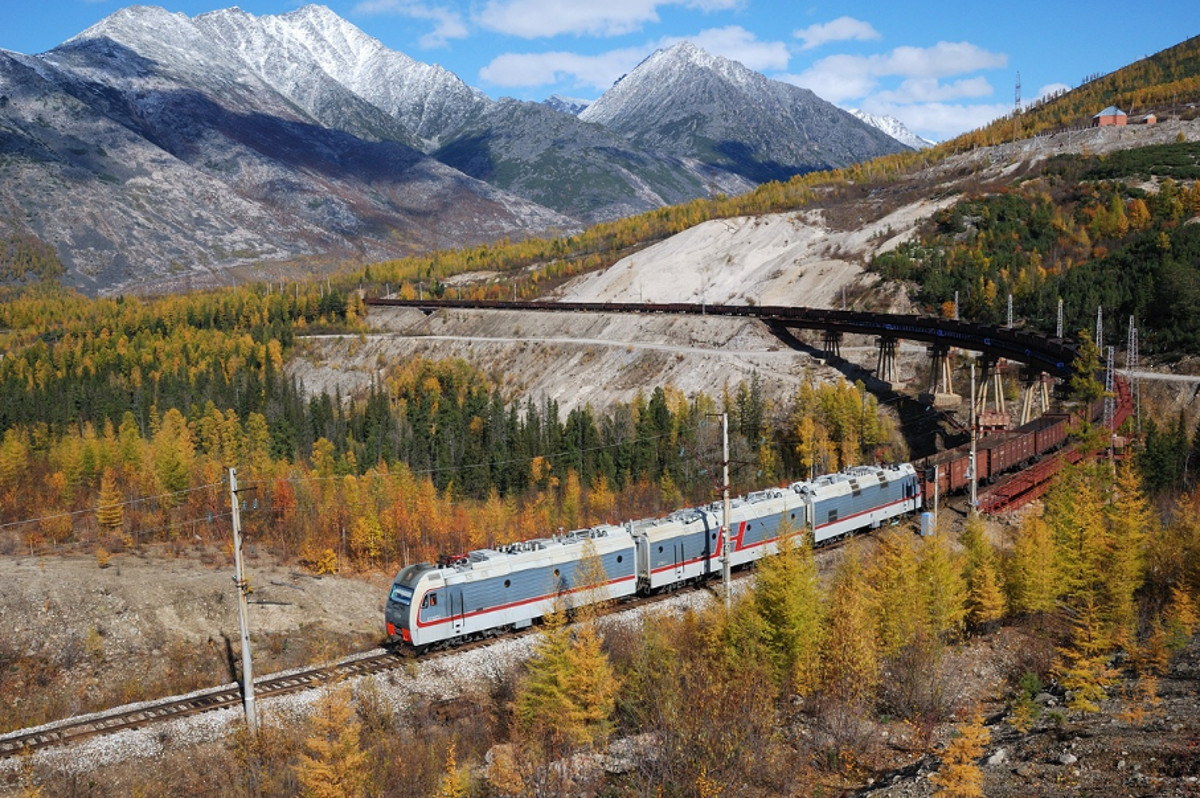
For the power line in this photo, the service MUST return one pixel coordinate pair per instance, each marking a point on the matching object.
(90, 510)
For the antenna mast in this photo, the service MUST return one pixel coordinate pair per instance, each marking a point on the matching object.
(1017, 109)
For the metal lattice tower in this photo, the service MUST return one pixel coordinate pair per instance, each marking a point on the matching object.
(1059, 328)
(1110, 385)
(1100, 328)
(1010, 319)
(1131, 366)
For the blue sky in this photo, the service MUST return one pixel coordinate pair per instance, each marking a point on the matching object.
(940, 67)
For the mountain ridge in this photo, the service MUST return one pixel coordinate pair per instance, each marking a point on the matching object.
(347, 149)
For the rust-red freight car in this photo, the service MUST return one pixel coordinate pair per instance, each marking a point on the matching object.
(1005, 453)
(1051, 432)
(951, 468)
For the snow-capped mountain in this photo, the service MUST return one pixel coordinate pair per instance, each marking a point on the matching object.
(566, 105)
(894, 128)
(693, 104)
(155, 147)
(147, 152)
(311, 51)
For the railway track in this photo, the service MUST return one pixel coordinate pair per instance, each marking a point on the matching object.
(152, 712)
(148, 713)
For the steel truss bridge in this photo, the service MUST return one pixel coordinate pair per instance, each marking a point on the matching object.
(1038, 353)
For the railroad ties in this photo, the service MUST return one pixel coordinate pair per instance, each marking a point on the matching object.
(74, 729)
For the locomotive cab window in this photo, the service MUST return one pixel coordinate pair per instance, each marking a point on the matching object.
(430, 600)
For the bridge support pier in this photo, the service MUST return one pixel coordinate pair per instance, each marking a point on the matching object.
(832, 344)
(940, 379)
(885, 364)
(1037, 391)
(991, 381)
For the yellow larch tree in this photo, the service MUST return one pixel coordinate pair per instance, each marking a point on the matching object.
(334, 764)
(787, 600)
(960, 776)
(1033, 577)
(850, 653)
(1125, 569)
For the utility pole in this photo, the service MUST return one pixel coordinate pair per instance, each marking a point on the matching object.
(727, 548)
(243, 587)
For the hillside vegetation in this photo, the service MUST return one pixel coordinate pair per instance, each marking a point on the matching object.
(1089, 230)
(1167, 82)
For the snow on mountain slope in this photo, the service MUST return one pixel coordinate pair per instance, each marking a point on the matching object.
(690, 103)
(311, 50)
(894, 128)
(566, 105)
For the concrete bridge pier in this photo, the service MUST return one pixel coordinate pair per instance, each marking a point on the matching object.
(941, 382)
(991, 382)
(1036, 391)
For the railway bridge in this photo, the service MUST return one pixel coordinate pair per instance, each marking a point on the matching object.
(1040, 355)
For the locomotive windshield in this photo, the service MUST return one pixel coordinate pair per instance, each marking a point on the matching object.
(401, 595)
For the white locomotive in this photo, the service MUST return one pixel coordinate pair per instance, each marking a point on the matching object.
(490, 591)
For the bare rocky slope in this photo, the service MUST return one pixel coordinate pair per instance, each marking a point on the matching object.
(813, 258)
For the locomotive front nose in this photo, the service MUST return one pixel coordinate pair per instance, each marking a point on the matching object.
(398, 607)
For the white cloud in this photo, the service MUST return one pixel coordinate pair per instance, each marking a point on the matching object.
(941, 60)
(838, 78)
(526, 70)
(532, 19)
(709, 6)
(447, 24)
(924, 90)
(839, 30)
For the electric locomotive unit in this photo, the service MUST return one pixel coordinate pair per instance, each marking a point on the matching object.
(495, 590)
